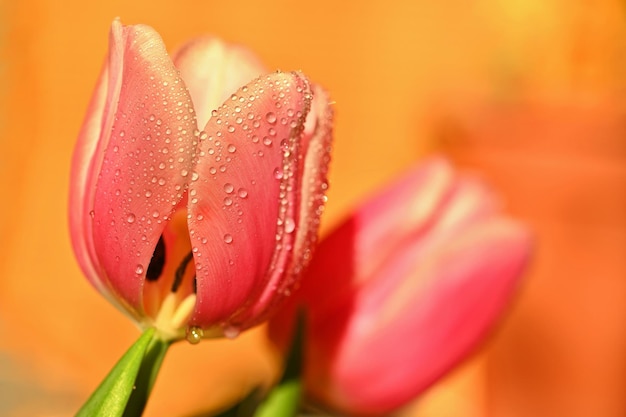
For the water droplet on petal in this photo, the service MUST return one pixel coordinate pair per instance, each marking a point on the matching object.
(228, 238)
(231, 148)
(270, 117)
(242, 193)
(278, 173)
(194, 334)
(290, 225)
(231, 332)
(139, 269)
(228, 187)
(130, 218)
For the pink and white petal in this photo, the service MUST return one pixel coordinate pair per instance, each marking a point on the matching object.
(82, 183)
(213, 70)
(147, 151)
(313, 163)
(247, 192)
(464, 288)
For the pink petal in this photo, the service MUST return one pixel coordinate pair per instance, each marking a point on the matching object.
(143, 158)
(247, 196)
(313, 168)
(464, 287)
(81, 184)
(213, 71)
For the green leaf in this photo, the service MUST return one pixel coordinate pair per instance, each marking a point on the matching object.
(112, 395)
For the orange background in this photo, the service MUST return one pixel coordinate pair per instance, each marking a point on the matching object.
(529, 92)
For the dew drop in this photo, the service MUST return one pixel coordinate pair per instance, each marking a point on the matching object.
(270, 117)
(231, 332)
(278, 173)
(231, 148)
(130, 218)
(92, 214)
(228, 201)
(228, 187)
(184, 172)
(194, 334)
(139, 269)
(228, 238)
(243, 193)
(290, 225)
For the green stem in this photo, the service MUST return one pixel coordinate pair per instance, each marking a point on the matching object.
(148, 372)
(125, 390)
(284, 399)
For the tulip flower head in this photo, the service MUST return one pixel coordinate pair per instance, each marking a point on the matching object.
(196, 189)
(418, 274)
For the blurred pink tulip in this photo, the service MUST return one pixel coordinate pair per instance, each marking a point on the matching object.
(404, 289)
(188, 216)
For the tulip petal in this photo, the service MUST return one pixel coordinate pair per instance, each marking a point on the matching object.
(465, 286)
(241, 229)
(82, 186)
(143, 158)
(316, 147)
(212, 71)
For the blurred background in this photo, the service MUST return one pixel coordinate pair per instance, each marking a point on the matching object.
(529, 93)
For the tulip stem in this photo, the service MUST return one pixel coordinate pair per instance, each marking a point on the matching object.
(150, 366)
(284, 399)
(125, 390)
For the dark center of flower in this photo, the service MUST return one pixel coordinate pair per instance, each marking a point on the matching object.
(170, 287)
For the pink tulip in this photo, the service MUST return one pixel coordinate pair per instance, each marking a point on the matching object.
(404, 289)
(189, 216)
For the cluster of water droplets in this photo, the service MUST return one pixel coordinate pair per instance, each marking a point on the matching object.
(313, 187)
